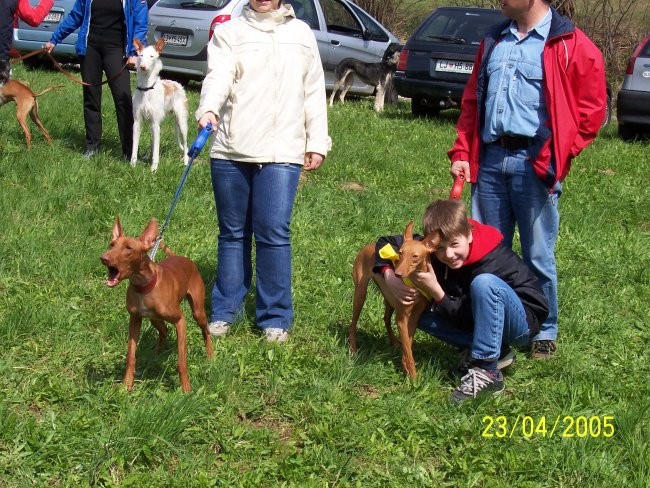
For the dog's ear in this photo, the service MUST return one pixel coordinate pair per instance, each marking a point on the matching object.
(138, 45)
(118, 231)
(432, 240)
(160, 44)
(408, 232)
(149, 234)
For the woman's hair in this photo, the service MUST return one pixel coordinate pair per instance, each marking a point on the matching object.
(449, 217)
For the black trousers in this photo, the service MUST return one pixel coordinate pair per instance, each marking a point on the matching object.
(109, 60)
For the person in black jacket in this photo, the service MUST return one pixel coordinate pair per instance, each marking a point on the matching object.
(485, 298)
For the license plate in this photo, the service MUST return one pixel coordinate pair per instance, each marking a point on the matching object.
(454, 66)
(175, 39)
(53, 17)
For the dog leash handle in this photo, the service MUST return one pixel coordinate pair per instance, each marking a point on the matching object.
(457, 189)
(193, 152)
(200, 141)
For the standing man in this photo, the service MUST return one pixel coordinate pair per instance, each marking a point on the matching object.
(10, 12)
(535, 100)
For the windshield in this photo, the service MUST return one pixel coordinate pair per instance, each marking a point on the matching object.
(458, 26)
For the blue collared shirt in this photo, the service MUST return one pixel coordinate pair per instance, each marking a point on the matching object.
(514, 102)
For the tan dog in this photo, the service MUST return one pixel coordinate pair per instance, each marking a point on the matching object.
(155, 291)
(413, 257)
(15, 91)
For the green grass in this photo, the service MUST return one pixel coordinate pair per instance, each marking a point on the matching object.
(305, 413)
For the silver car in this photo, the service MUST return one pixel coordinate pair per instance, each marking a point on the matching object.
(633, 101)
(342, 30)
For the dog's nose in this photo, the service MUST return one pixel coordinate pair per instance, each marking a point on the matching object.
(104, 260)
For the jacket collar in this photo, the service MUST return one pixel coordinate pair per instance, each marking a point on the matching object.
(268, 21)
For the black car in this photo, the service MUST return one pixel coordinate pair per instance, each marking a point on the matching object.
(437, 60)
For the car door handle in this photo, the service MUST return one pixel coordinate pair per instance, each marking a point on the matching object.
(335, 42)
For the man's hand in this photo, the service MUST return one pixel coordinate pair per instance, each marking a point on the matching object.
(460, 166)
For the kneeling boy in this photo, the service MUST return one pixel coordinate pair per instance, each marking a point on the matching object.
(485, 298)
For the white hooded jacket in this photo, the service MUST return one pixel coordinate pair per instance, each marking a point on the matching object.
(265, 82)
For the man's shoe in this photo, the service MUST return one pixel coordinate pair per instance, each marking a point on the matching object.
(465, 361)
(478, 382)
(218, 328)
(275, 334)
(543, 350)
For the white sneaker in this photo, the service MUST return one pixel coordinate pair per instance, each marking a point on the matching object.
(275, 334)
(219, 328)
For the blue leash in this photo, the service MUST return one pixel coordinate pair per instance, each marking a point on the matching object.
(193, 152)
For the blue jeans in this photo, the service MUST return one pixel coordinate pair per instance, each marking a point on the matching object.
(509, 193)
(254, 199)
(499, 320)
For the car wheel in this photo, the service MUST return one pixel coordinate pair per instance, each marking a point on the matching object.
(420, 109)
(608, 110)
(627, 132)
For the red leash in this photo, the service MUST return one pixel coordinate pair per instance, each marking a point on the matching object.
(457, 189)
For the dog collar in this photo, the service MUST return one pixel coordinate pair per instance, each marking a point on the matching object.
(148, 287)
(146, 88)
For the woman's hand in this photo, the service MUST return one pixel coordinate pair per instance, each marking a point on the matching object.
(48, 46)
(313, 161)
(210, 117)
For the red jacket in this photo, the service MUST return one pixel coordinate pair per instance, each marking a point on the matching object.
(575, 96)
(32, 15)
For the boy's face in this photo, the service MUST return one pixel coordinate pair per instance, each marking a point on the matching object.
(453, 253)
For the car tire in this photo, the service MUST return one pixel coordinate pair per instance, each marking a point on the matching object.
(608, 110)
(627, 132)
(419, 109)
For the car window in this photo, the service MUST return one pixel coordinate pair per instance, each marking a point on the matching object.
(457, 27)
(339, 19)
(306, 11)
(198, 4)
(374, 31)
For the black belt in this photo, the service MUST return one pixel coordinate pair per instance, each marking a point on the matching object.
(514, 142)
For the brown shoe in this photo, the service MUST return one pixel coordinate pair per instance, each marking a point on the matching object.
(543, 349)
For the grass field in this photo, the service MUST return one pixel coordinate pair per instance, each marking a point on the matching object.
(305, 413)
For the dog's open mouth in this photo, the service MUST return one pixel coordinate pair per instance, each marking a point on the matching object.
(113, 277)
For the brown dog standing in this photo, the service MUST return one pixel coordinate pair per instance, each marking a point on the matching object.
(413, 257)
(25, 104)
(155, 291)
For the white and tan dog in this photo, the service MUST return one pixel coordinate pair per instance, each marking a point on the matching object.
(153, 99)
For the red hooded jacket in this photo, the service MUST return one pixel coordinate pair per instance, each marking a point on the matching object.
(574, 92)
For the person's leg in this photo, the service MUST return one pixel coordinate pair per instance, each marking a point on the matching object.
(538, 220)
(121, 91)
(499, 318)
(491, 202)
(444, 330)
(91, 72)
(231, 183)
(273, 194)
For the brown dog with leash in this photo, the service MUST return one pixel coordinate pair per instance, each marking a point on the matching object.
(155, 291)
(26, 104)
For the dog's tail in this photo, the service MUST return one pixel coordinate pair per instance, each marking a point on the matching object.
(166, 250)
(47, 90)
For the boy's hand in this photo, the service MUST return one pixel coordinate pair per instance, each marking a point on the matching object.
(428, 282)
(402, 293)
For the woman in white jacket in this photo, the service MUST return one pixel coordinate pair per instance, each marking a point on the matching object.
(265, 88)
